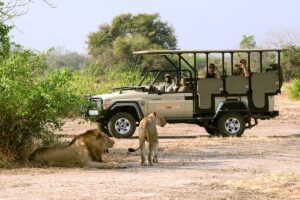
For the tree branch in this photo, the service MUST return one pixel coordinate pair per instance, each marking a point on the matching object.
(17, 8)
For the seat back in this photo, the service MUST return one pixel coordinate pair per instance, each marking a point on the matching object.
(263, 83)
(206, 88)
(237, 84)
(183, 87)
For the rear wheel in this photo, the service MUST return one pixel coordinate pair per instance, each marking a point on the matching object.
(122, 125)
(231, 124)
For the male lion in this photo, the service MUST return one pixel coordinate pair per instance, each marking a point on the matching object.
(85, 150)
(148, 132)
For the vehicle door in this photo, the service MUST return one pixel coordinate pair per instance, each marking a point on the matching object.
(171, 105)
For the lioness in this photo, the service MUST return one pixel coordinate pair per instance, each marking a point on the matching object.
(148, 132)
(85, 150)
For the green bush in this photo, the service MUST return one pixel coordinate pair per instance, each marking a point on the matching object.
(294, 90)
(83, 83)
(5, 43)
(32, 104)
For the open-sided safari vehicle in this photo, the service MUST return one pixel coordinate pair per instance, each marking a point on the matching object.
(223, 106)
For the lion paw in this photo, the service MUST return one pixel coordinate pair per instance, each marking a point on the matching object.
(118, 166)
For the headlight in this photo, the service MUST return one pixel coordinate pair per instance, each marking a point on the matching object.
(106, 103)
(96, 103)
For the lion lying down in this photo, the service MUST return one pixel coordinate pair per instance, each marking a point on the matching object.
(85, 150)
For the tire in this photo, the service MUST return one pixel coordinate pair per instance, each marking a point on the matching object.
(210, 131)
(122, 125)
(104, 129)
(231, 124)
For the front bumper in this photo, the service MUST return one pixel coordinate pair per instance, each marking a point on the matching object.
(90, 112)
(94, 114)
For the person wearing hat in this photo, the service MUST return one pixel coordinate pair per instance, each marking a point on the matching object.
(168, 86)
(212, 72)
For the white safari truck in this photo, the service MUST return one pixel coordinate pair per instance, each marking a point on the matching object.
(224, 106)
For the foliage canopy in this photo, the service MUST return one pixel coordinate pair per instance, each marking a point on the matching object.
(248, 42)
(112, 44)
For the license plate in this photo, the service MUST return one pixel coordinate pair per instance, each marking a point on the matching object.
(93, 112)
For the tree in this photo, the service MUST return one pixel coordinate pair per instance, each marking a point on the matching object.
(124, 46)
(127, 25)
(113, 43)
(15, 8)
(4, 40)
(289, 40)
(59, 58)
(280, 38)
(290, 62)
(248, 42)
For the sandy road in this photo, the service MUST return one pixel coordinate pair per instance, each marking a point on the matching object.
(263, 164)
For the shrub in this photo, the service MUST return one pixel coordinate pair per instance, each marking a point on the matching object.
(32, 103)
(294, 90)
(84, 83)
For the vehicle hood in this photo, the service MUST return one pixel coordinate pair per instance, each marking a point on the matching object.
(128, 94)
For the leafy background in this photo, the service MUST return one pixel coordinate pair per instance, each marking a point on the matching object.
(40, 89)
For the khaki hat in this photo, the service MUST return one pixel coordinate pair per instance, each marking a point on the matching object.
(168, 75)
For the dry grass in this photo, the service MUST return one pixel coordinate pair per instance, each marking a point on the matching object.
(202, 143)
(282, 185)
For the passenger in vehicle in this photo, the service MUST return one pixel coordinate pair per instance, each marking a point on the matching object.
(183, 86)
(241, 68)
(168, 86)
(212, 72)
(272, 68)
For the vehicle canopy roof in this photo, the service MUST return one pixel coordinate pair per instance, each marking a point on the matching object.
(162, 52)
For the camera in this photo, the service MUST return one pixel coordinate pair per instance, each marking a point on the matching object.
(237, 65)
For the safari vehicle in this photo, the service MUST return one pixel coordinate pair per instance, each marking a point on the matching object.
(224, 106)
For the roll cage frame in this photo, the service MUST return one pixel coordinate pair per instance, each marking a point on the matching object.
(193, 66)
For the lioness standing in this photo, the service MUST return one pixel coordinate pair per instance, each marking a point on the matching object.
(148, 132)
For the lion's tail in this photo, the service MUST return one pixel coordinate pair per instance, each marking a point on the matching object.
(133, 150)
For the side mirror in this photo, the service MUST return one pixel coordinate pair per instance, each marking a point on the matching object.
(87, 96)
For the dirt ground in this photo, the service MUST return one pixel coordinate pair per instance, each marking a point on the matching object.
(263, 164)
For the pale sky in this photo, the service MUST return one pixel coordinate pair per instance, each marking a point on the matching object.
(198, 24)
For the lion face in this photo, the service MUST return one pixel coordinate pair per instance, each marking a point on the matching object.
(106, 141)
(159, 120)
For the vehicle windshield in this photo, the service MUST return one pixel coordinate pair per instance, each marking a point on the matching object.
(157, 77)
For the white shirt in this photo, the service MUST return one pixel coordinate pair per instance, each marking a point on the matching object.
(167, 87)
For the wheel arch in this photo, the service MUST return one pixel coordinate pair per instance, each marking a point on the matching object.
(231, 106)
(132, 108)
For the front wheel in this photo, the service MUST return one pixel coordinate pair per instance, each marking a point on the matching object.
(103, 128)
(211, 131)
(231, 124)
(122, 125)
